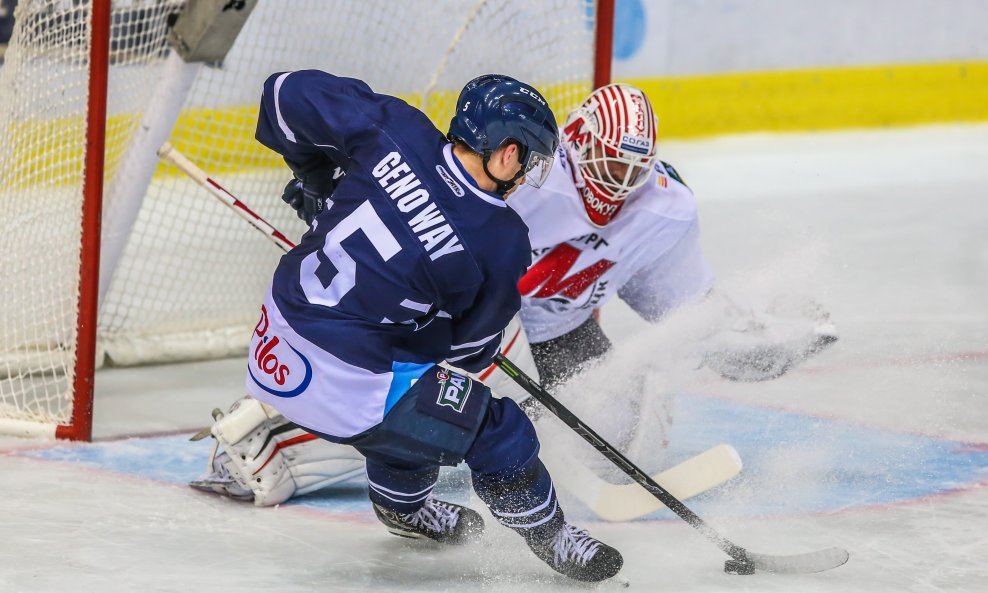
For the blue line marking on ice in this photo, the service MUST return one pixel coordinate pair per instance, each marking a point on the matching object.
(793, 463)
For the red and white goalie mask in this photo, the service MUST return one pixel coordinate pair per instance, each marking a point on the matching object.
(612, 136)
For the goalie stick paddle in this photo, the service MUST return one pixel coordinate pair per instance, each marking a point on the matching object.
(744, 562)
(626, 502)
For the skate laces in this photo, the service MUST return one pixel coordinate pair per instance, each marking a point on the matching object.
(435, 516)
(574, 544)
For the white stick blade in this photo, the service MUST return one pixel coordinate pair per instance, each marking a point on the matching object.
(626, 502)
(808, 563)
(694, 476)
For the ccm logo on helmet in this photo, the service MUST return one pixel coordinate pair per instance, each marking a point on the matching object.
(275, 365)
(532, 94)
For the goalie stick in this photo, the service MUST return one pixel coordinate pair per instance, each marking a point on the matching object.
(625, 502)
(611, 502)
(171, 155)
(744, 562)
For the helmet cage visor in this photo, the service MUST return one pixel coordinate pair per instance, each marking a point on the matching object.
(530, 138)
(537, 166)
(616, 172)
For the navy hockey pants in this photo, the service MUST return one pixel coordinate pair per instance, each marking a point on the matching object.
(446, 418)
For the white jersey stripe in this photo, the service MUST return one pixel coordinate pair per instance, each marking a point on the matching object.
(548, 518)
(530, 511)
(455, 168)
(382, 489)
(290, 135)
(414, 306)
(477, 343)
(455, 358)
(402, 500)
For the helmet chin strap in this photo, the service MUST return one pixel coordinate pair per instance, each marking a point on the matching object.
(502, 185)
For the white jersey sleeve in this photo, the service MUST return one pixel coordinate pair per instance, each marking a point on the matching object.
(648, 255)
(680, 275)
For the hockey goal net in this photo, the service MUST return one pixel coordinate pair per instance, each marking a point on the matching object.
(181, 277)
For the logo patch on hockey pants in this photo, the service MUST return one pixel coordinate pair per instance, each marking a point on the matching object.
(452, 397)
(454, 390)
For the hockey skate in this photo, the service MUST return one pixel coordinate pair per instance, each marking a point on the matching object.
(444, 522)
(572, 552)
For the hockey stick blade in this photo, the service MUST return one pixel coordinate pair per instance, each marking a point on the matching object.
(800, 563)
(694, 476)
(807, 563)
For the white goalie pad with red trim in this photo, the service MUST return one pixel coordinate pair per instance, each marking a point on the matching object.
(273, 458)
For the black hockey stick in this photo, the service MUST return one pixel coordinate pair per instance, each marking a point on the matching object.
(744, 562)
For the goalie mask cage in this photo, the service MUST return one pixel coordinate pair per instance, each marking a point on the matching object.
(173, 275)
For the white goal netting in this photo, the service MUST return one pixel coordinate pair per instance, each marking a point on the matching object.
(187, 277)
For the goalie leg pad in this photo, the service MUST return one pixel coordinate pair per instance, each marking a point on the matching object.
(273, 459)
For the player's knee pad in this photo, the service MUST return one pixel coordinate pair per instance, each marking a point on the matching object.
(506, 441)
(276, 459)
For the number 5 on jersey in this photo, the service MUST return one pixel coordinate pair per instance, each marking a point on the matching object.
(365, 219)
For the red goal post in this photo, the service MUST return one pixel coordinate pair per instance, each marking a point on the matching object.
(111, 258)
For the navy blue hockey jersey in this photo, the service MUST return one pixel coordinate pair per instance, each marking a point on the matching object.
(409, 264)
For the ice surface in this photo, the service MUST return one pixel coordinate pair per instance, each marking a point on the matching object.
(878, 445)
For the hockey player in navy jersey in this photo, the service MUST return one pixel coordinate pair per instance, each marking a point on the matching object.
(414, 259)
(610, 220)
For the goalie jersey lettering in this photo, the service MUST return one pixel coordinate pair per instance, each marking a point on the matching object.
(649, 254)
(409, 263)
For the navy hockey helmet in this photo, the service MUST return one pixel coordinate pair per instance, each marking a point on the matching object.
(494, 109)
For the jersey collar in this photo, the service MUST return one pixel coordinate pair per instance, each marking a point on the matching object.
(454, 165)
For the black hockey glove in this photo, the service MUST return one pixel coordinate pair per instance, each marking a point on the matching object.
(308, 196)
(306, 203)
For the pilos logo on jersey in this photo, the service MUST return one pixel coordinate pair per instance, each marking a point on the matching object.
(454, 390)
(274, 364)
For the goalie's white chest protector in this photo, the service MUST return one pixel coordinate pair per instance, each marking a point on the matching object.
(649, 254)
